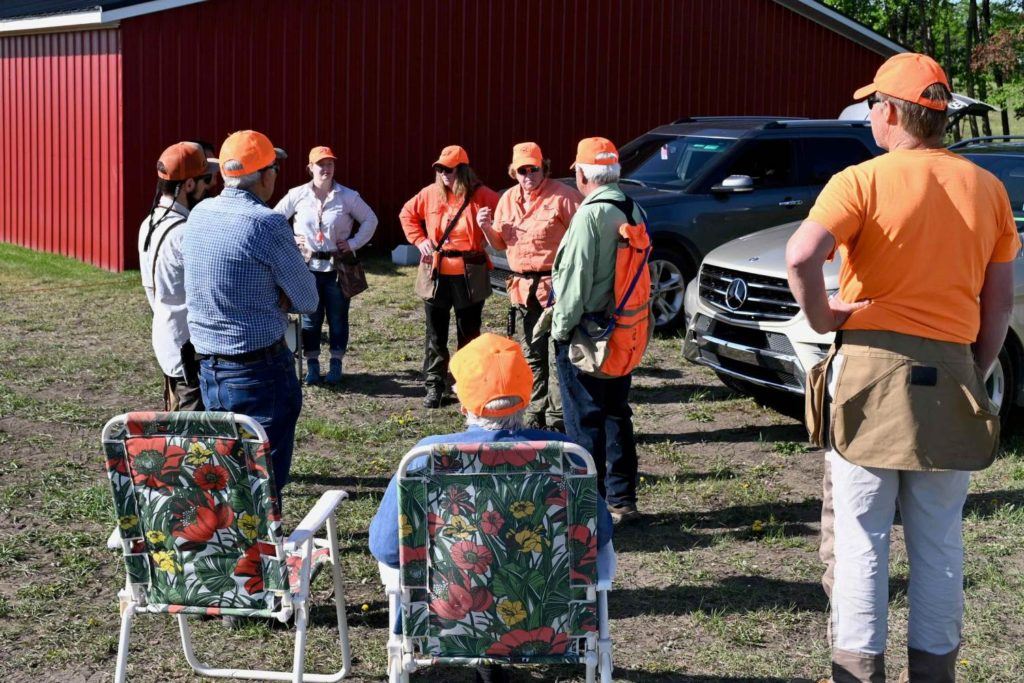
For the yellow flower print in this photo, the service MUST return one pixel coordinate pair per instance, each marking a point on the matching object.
(404, 526)
(511, 612)
(249, 525)
(529, 541)
(198, 454)
(156, 537)
(522, 508)
(127, 522)
(459, 528)
(165, 562)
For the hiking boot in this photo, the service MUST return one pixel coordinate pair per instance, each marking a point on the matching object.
(334, 373)
(313, 372)
(623, 514)
(433, 398)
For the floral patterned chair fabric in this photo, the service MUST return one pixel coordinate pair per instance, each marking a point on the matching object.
(199, 524)
(498, 552)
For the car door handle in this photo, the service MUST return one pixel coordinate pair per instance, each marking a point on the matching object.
(792, 202)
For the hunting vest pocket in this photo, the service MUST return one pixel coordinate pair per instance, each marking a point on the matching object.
(895, 412)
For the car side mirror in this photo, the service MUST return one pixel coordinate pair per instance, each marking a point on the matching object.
(734, 184)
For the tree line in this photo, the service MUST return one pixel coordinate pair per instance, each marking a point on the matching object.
(980, 44)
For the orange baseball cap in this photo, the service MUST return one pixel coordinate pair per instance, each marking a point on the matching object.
(599, 151)
(322, 152)
(452, 156)
(247, 151)
(491, 367)
(906, 76)
(527, 154)
(183, 160)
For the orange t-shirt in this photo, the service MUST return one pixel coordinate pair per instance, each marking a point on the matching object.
(531, 237)
(428, 209)
(916, 230)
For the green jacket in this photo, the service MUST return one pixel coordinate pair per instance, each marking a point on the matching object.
(584, 271)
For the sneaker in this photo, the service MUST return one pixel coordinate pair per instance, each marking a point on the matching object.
(313, 372)
(623, 514)
(334, 373)
(433, 398)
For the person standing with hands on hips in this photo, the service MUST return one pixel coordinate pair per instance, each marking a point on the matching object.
(325, 213)
(529, 223)
(441, 221)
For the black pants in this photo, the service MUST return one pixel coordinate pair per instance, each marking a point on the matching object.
(179, 395)
(450, 294)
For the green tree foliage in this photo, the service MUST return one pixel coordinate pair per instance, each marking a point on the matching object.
(980, 43)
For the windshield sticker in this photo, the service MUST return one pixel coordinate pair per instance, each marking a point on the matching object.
(664, 152)
(708, 146)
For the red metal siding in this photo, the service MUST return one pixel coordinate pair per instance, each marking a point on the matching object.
(60, 147)
(388, 83)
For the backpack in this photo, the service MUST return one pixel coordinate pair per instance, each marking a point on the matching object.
(613, 344)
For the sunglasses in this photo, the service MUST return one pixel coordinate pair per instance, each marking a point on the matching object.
(444, 170)
(527, 170)
(872, 101)
(208, 178)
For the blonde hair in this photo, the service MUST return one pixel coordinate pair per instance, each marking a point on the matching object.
(924, 123)
(465, 181)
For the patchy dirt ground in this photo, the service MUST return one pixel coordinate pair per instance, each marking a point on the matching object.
(717, 582)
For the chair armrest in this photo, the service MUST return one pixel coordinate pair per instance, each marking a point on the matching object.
(114, 540)
(316, 517)
(606, 565)
(390, 577)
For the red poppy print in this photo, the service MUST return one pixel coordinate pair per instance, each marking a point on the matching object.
(250, 565)
(136, 423)
(482, 599)
(225, 447)
(455, 605)
(583, 544)
(196, 521)
(457, 501)
(155, 463)
(408, 553)
(211, 477)
(516, 456)
(434, 522)
(471, 557)
(523, 644)
(491, 522)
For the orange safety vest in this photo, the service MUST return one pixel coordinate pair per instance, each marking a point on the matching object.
(627, 328)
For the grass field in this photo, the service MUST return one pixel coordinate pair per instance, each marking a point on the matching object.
(718, 582)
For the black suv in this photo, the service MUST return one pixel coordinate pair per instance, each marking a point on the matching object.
(705, 181)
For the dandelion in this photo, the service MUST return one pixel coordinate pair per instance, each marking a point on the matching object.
(365, 607)
(757, 526)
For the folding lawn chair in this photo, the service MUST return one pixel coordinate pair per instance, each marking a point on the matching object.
(200, 532)
(498, 552)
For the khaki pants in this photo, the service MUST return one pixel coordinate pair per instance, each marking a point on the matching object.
(545, 398)
(180, 396)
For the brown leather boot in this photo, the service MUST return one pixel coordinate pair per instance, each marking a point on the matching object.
(924, 667)
(857, 667)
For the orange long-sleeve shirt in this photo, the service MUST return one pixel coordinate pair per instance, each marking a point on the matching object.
(427, 214)
(530, 237)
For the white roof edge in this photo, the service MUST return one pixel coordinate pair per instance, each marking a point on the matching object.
(76, 21)
(831, 19)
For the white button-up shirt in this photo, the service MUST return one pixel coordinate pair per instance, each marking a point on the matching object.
(164, 283)
(324, 225)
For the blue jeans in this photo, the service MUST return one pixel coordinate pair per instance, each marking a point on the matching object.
(266, 390)
(598, 417)
(334, 305)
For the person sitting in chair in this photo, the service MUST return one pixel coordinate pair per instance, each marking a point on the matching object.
(493, 383)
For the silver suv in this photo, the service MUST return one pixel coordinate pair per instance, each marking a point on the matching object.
(743, 322)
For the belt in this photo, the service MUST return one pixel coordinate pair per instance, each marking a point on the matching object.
(266, 353)
(455, 253)
(533, 273)
(323, 255)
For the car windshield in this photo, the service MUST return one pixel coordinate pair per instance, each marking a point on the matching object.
(1009, 168)
(671, 162)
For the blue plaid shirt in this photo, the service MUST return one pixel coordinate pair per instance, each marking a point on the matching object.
(239, 256)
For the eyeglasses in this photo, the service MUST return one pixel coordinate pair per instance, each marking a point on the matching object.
(527, 170)
(273, 167)
(872, 101)
(443, 170)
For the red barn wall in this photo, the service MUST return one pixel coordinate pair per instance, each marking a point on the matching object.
(60, 145)
(386, 84)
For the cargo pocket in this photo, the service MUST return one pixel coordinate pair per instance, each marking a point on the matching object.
(895, 413)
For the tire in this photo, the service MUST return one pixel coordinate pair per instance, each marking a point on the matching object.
(1001, 386)
(670, 273)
